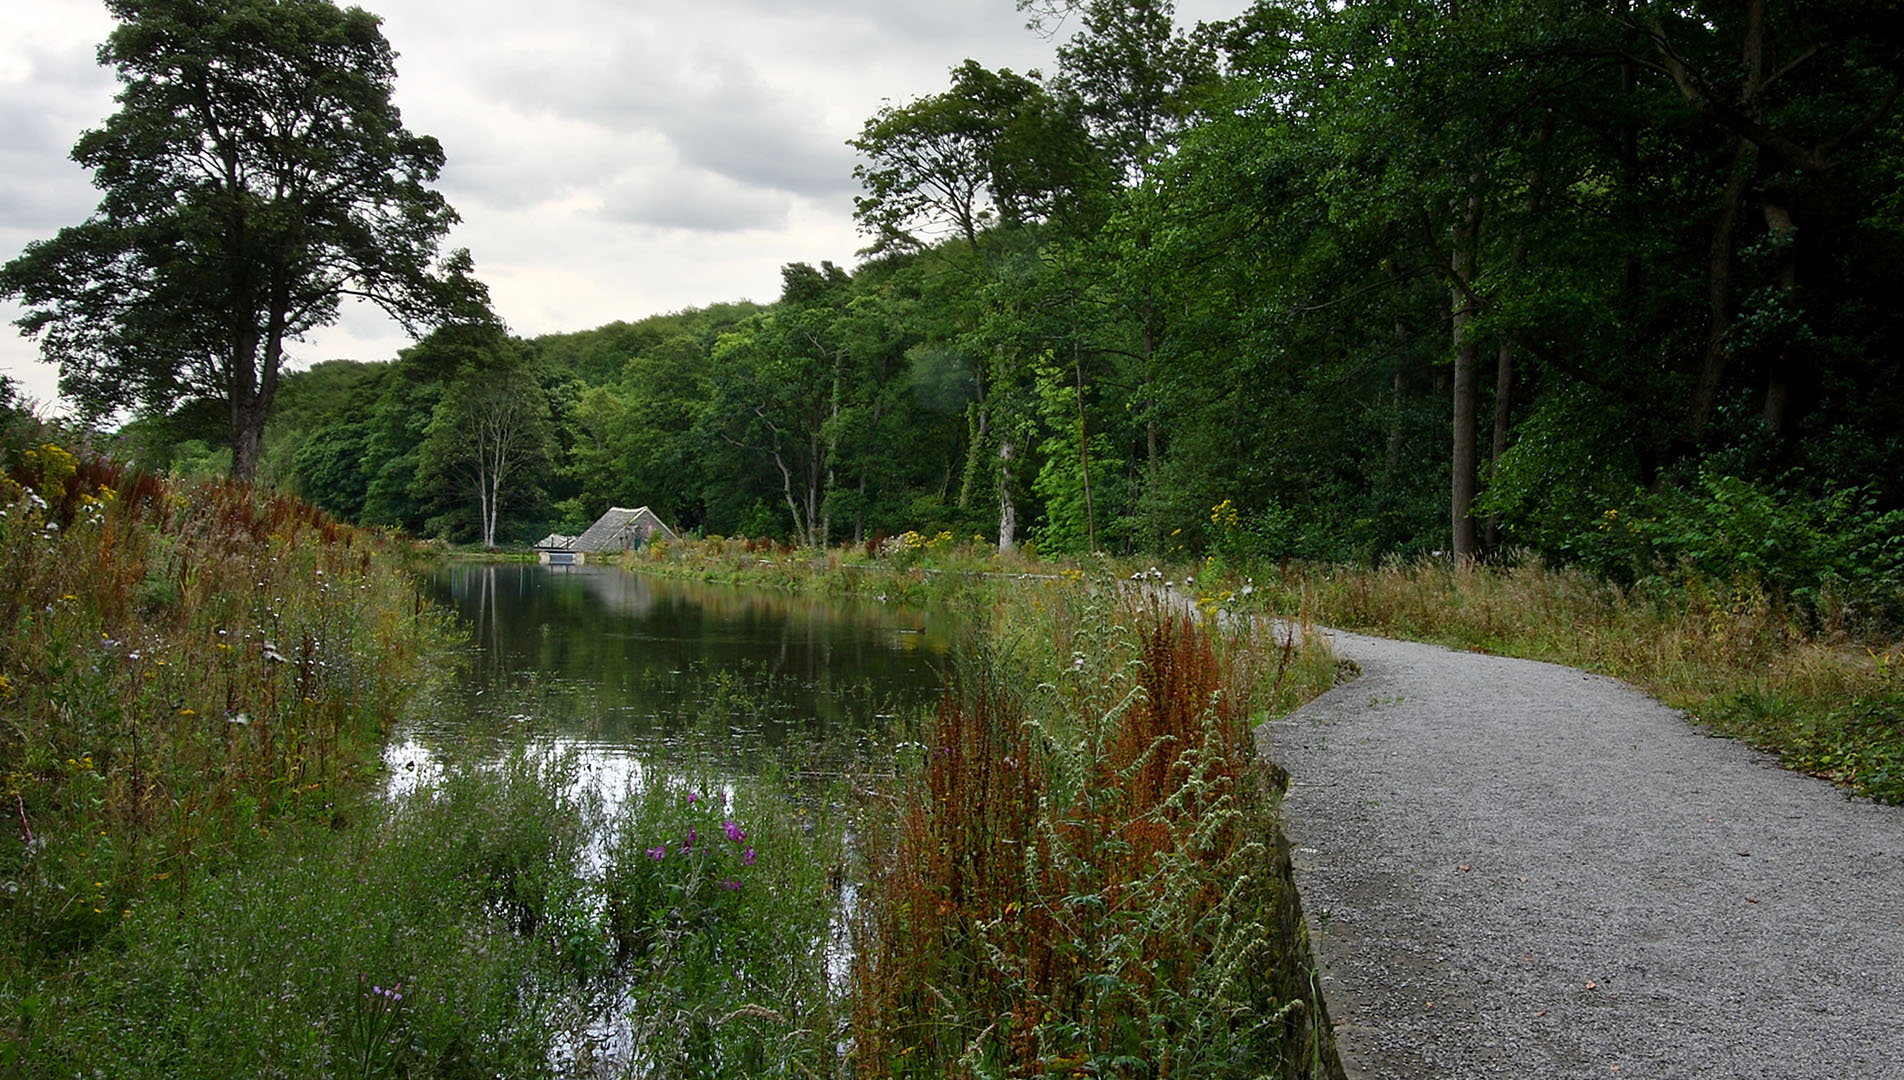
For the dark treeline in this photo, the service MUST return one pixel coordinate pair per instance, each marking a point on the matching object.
(1613, 282)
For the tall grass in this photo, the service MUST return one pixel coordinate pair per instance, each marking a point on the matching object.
(721, 899)
(1084, 875)
(500, 920)
(180, 667)
(445, 934)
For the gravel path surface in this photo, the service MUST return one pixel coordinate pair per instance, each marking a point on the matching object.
(1517, 869)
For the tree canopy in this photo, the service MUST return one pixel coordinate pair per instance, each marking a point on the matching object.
(255, 174)
(1606, 283)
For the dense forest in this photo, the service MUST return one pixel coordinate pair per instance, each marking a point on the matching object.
(1614, 283)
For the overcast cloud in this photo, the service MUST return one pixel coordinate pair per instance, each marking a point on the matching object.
(611, 159)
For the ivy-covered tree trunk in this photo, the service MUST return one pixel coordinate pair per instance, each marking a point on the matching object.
(1466, 457)
(1007, 501)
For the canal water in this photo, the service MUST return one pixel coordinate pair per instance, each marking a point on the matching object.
(624, 668)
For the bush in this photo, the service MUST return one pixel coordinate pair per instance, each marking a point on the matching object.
(1818, 552)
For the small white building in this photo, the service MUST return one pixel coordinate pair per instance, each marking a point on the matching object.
(618, 530)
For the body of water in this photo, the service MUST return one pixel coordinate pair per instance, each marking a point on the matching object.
(623, 667)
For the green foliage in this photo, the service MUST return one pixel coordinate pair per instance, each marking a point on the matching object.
(296, 951)
(721, 901)
(1566, 469)
(1857, 743)
(256, 171)
(1222, 264)
(1818, 551)
(1081, 481)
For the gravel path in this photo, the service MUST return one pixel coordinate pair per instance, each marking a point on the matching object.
(1517, 869)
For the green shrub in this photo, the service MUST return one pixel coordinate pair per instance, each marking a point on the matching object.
(1820, 552)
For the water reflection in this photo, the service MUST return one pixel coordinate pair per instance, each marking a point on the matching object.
(622, 664)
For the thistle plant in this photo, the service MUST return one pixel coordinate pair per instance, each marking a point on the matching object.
(719, 903)
(372, 1033)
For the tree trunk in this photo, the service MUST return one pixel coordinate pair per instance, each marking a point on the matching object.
(1007, 509)
(247, 417)
(1465, 454)
(1719, 291)
(247, 436)
(1503, 412)
(786, 489)
(1778, 386)
(1084, 453)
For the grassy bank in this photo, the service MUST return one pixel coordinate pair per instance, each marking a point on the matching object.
(910, 568)
(204, 873)
(1814, 679)
(181, 667)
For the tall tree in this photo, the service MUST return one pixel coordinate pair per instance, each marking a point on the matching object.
(956, 174)
(256, 173)
(777, 388)
(489, 439)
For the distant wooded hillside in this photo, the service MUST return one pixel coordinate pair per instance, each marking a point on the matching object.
(1615, 283)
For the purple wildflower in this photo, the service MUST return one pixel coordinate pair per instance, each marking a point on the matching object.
(693, 797)
(731, 884)
(747, 857)
(734, 832)
(658, 852)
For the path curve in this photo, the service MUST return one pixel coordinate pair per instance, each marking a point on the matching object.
(1518, 869)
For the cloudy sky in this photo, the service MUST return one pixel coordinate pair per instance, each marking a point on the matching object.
(611, 159)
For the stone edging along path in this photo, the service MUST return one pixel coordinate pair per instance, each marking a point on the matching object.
(1516, 869)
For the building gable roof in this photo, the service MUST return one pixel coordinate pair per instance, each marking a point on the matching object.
(620, 529)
